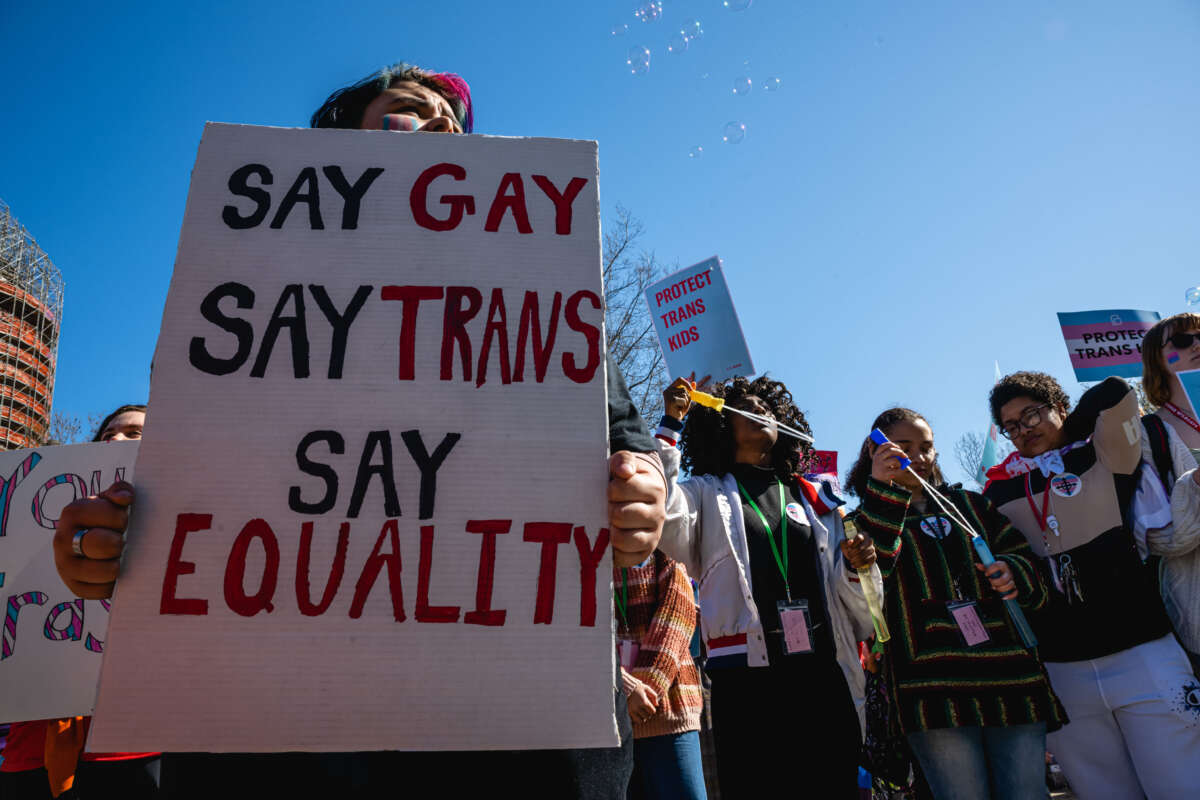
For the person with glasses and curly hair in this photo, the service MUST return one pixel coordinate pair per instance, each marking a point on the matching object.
(781, 608)
(1104, 635)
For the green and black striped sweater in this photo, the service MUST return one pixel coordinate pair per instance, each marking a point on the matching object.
(937, 681)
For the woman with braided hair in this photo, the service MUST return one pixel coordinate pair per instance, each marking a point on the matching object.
(782, 610)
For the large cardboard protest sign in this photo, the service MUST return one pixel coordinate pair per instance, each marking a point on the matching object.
(51, 641)
(697, 326)
(1105, 343)
(371, 509)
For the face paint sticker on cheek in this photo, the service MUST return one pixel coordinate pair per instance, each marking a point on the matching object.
(1172, 357)
(400, 122)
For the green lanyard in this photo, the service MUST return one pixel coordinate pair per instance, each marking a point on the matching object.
(782, 563)
(622, 599)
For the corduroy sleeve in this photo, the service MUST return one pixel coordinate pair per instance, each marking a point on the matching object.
(1010, 546)
(666, 643)
(881, 516)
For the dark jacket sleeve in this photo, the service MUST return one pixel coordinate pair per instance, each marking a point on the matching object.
(626, 428)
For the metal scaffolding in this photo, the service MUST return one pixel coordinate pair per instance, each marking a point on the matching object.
(31, 301)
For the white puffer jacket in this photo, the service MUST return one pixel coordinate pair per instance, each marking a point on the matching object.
(706, 532)
(1179, 544)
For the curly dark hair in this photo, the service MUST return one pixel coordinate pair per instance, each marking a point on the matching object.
(1037, 385)
(708, 447)
(856, 478)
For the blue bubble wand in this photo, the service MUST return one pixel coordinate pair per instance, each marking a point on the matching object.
(981, 546)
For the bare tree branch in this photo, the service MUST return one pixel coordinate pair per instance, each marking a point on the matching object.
(629, 328)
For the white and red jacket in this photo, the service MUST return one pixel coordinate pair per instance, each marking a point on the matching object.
(706, 532)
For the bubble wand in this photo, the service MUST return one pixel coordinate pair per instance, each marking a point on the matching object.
(874, 601)
(981, 546)
(718, 404)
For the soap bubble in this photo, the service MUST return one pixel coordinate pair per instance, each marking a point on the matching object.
(648, 12)
(742, 85)
(691, 29)
(771, 84)
(677, 44)
(1192, 295)
(637, 58)
(733, 133)
(737, 5)
(620, 29)
(696, 152)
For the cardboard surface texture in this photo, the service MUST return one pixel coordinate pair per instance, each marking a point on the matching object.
(371, 506)
(697, 326)
(51, 640)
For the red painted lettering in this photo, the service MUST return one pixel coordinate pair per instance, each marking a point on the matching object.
(454, 328)
(562, 201)
(589, 561)
(551, 535)
(408, 320)
(497, 325)
(484, 614)
(176, 566)
(303, 592)
(542, 349)
(377, 560)
(458, 203)
(425, 612)
(235, 570)
(514, 202)
(590, 332)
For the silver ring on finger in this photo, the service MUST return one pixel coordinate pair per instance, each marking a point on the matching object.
(77, 543)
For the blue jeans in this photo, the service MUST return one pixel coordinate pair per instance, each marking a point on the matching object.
(668, 768)
(983, 763)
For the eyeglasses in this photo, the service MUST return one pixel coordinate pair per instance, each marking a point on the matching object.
(1182, 341)
(1027, 421)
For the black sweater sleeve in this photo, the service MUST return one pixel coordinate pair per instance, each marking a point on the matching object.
(1081, 422)
(626, 428)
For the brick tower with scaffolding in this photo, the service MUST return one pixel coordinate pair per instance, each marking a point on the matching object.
(31, 301)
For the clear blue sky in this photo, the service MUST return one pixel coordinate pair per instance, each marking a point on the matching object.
(930, 184)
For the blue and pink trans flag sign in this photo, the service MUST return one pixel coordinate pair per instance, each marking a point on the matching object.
(697, 326)
(1106, 343)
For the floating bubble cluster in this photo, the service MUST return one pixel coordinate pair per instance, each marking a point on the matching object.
(649, 12)
(637, 58)
(737, 5)
(620, 29)
(691, 29)
(696, 152)
(742, 85)
(771, 84)
(677, 45)
(733, 132)
(1192, 295)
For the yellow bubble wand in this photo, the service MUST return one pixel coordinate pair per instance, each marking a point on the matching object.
(718, 404)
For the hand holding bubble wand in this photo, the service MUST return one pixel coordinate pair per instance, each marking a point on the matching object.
(718, 404)
(874, 601)
(981, 546)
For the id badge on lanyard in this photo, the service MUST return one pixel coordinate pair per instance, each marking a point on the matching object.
(965, 614)
(797, 627)
(627, 652)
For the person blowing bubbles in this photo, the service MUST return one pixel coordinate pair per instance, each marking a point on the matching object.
(781, 608)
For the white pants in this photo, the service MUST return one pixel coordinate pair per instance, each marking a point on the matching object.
(1135, 724)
